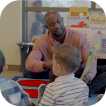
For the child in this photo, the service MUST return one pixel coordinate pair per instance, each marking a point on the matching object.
(10, 89)
(66, 89)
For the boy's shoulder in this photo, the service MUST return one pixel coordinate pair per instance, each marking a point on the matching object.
(80, 82)
(3, 83)
(11, 89)
(52, 85)
(7, 84)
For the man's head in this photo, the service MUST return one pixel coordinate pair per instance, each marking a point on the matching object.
(65, 59)
(55, 25)
(2, 61)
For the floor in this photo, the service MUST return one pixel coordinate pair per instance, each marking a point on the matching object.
(11, 74)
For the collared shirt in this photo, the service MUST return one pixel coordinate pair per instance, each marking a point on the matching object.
(66, 90)
(43, 49)
(13, 92)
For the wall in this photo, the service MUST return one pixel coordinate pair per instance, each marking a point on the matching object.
(10, 32)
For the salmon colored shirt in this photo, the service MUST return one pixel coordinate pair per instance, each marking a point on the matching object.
(43, 49)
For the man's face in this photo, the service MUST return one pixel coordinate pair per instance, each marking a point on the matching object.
(56, 27)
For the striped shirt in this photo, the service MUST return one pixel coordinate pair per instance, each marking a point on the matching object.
(65, 90)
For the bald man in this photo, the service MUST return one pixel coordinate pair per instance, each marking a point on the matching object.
(40, 58)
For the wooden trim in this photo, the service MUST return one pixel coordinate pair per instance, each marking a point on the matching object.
(14, 67)
(60, 9)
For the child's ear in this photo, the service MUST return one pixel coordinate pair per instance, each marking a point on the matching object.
(5, 68)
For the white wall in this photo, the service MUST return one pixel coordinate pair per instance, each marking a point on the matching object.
(10, 32)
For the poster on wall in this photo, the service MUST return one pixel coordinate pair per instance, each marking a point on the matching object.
(78, 16)
(97, 21)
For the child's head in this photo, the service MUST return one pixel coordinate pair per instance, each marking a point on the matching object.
(65, 59)
(2, 61)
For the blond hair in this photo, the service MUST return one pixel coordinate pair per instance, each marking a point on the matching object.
(68, 56)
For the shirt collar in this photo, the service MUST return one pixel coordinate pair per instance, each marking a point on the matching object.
(66, 77)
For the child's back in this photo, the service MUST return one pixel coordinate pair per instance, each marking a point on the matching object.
(10, 89)
(66, 90)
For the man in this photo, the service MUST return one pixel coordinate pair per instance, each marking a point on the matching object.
(40, 59)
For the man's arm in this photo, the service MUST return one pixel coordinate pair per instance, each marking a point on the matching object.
(84, 48)
(34, 61)
(81, 42)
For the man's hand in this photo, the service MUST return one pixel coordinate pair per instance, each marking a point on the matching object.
(47, 65)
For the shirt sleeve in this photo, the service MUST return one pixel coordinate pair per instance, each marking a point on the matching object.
(47, 98)
(34, 62)
(84, 47)
(90, 69)
(14, 94)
